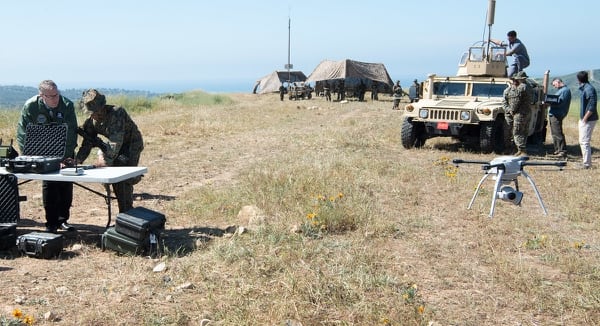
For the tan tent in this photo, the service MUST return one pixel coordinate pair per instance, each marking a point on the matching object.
(271, 82)
(352, 72)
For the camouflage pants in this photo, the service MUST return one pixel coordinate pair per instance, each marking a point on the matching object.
(518, 124)
(124, 192)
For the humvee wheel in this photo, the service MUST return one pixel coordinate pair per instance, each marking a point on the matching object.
(413, 134)
(491, 136)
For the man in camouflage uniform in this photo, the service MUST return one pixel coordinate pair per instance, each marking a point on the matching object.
(125, 143)
(517, 111)
(51, 107)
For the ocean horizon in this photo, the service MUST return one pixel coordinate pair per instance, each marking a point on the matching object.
(160, 87)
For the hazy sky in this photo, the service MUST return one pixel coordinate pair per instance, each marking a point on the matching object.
(123, 44)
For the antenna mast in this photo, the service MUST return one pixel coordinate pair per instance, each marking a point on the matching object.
(490, 21)
(289, 66)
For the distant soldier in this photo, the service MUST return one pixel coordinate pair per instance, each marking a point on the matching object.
(517, 111)
(281, 92)
(327, 91)
(413, 91)
(398, 93)
(341, 90)
(374, 91)
(125, 143)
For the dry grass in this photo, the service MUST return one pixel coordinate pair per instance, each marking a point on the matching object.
(393, 242)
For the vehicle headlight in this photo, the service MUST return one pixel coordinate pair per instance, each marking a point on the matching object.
(465, 115)
(485, 111)
(423, 113)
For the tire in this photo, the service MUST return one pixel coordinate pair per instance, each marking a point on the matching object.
(491, 136)
(412, 134)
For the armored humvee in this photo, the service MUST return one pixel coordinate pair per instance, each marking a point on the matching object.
(468, 106)
(300, 90)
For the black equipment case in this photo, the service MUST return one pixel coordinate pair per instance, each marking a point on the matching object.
(9, 210)
(40, 244)
(45, 146)
(111, 239)
(8, 235)
(139, 223)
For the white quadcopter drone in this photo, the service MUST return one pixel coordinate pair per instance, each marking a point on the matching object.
(507, 169)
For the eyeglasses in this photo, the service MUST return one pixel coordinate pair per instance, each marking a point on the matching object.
(50, 96)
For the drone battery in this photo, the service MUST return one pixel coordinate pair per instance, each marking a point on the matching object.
(40, 244)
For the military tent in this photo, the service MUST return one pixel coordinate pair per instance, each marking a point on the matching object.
(351, 72)
(271, 82)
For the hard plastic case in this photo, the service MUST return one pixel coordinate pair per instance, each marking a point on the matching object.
(44, 149)
(138, 223)
(9, 210)
(9, 199)
(111, 239)
(8, 235)
(40, 244)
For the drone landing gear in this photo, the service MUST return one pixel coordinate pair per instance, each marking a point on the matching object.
(505, 192)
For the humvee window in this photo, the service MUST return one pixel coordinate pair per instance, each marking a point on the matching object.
(445, 89)
(488, 90)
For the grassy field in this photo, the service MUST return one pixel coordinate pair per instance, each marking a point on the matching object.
(346, 227)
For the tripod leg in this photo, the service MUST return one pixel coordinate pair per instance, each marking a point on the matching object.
(477, 190)
(537, 193)
(496, 189)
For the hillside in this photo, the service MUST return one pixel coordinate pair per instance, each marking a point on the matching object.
(342, 226)
(13, 96)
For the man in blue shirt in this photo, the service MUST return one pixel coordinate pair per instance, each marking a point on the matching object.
(517, 49)
(558, 111)
(588, 115)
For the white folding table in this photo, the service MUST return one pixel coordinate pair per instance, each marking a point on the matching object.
(104, 175)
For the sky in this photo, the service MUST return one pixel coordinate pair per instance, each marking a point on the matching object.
(226, 45)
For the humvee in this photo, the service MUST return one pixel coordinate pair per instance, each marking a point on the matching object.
(468, 106)
(299, 90)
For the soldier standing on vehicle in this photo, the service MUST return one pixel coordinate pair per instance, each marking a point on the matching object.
(517, 112)
(517, 49)
(558, 111)
(124, 137)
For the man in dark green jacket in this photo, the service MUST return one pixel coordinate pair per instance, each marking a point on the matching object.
(51, 107)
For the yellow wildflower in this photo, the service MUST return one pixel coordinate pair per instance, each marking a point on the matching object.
(421, 310)
(340, 195)
(17, 313)
(28, 320)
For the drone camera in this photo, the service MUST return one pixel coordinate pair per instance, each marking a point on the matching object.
(509, 194)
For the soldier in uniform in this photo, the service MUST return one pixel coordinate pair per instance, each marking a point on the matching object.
(397, 95)
(124, 140)
(327, 91)
(517, 111)
(51, 107)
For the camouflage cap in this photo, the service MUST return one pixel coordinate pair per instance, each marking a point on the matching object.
(92, 100)
(519, 75)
